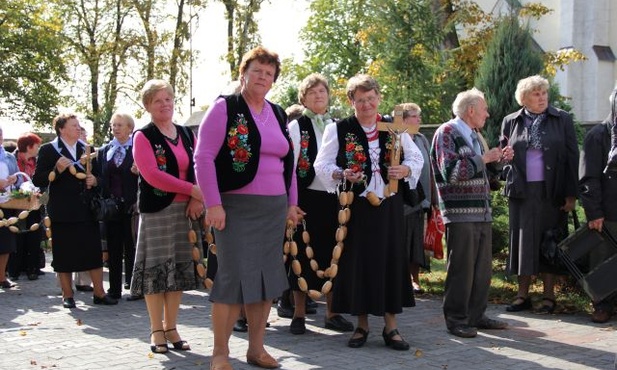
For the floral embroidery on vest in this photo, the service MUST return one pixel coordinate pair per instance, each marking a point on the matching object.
(389, 149)
(161, 163)
(354, 153)
(304, 163)
(237, 141)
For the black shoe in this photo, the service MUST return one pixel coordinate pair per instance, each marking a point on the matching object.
(68, 302)
(180, 345)
(338, 323)
(310, 306)
(106, 300)
(548, 306)
(516, 307)
(127, 286)
(399, 345)
(284, 311)
(114, 295)
(33, 276)
(241, 326)
(297, 325)
(463, 331)
(7, 284)
(358, 342)
(84, 288)
(134, 297)
(158, 348)
(486, 323)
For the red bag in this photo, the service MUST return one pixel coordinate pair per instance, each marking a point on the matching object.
(434, 234)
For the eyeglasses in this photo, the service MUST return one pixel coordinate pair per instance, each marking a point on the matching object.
(370, 99)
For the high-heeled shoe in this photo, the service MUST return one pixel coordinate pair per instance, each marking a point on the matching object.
(399, 345)
(158, 348)
(180, 345)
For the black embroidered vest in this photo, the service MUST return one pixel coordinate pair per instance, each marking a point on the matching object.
(352, 126)
(232, 175)
(150, 199)
(305, 172)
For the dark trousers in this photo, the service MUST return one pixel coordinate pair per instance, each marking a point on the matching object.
(120, 246)
(469, 272)
(27, 255)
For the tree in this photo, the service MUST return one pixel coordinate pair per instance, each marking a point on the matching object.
(510, 56)
(242, 31)
(32, 64)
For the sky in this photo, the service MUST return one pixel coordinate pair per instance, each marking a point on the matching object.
(279, 22)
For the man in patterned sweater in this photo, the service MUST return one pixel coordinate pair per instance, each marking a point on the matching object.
(460, 165)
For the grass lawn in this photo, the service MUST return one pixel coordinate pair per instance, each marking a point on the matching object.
(570, 296)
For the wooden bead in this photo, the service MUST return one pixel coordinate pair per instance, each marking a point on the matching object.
(309, 252)
(81, 175)
(12, 221)
(208, 283)
(201, 270)
(212, 248)
(314, 265)
(342, 198)
(48, 233)
(34, 227)
(302, 284)
(342, 217)
(296, 267)
(47, 221)
(314, 294)
(327, 287)
(192, 235)
(333, 271)
(196, 254)
(72, 170)
(320, 274)
(293, 248)
(14, 229)
(23, 214)
(350, 196)
(373, 198)
(52, 176)
(1, 213)
(209, 238)
(336, 252)
(306, 238)
(286, 247)
(341, 233)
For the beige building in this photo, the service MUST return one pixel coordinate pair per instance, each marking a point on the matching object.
(589, 26)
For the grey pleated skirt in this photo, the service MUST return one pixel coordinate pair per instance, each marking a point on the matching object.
(250, 249)
(163, 256)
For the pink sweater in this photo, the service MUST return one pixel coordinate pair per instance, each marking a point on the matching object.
(146, 163)
(274, 146)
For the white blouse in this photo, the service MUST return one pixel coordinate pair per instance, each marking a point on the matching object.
(325, 163)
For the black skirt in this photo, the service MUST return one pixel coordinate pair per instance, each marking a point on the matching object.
(76, 246)
(321, 219)
(373, 276)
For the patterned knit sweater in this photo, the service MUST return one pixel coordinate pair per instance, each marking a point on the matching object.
(460, 175)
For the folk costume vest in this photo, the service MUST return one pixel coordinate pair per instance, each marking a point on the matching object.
(353, 151)
(237, 161)
(151, 199)
(305, 172)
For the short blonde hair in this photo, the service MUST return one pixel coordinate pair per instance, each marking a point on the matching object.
(152, 87)
(409, 108)
(127, 117)
(310, 81)
(466, 99)
(529, 84)
(362, 82)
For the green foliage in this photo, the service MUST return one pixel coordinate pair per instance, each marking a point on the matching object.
(32, 63)
(397, 42)
(510, 56)
(501, 222)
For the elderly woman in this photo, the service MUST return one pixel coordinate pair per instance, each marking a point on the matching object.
(244, 164)
(8, 167)
(118, 179)
(76, 235)
(168, 197)
(321, 207)
(541, 185)
(373, 274)
(418, 202)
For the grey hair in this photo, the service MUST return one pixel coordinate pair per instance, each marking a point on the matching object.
(529, 84)
(466, 99)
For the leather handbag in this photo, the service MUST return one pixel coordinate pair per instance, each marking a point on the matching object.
(103, 208)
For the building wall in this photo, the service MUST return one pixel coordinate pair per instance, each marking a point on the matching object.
(578, 24)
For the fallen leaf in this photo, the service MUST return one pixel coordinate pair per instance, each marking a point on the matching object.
(418, 353)
(22, 333)
(78, 322)
(33, 362)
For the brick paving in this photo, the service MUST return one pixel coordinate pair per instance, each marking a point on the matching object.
(37, 333)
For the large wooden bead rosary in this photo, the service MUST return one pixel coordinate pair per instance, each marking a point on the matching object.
(290, 247)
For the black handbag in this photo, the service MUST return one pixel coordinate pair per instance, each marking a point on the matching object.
(104, 209)
(549, 245)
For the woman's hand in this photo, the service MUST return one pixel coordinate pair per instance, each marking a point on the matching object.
(91, 181)
(215, 217)
(194, 209)
(596, 224)
(353, 177)
(398, 172)
(196, 193)
(295, 214)
(570, 204)
(62, 164)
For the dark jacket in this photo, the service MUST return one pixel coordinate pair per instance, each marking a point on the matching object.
(598, 191)
(127, 178)
(68, 197)
(560, 155)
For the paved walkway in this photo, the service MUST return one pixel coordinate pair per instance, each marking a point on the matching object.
(37, 333)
